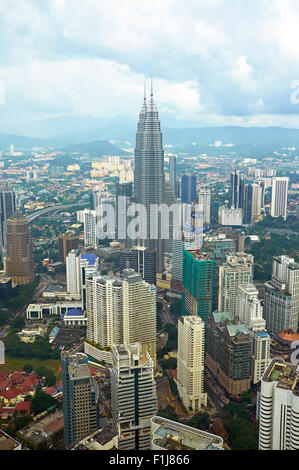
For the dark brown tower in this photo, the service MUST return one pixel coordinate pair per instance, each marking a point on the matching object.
(19, 259)
(67, 242)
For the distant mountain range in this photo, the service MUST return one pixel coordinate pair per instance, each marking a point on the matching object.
(100, 136)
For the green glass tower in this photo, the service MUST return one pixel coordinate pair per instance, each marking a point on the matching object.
(198, 283)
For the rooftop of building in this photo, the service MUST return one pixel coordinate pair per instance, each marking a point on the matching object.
(197, 253)
(286, 374)
(7, 442)
(91, 258)
(221, 317)
(44, 426)
(74, 312)
(171, 435)
(288, 335)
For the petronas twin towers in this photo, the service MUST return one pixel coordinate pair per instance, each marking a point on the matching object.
(149, 178)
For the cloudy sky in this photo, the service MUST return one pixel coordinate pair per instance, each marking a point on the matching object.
(214, 62)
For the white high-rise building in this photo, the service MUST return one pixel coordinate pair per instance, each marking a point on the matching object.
(90, 228)
(281, 310)
(104, 310)
(279, 198)
(204, 198)
(230, 216)
(133, 396)
(139, 312)
(88, 267)
(73, 273)
(250, 311)
(238, 269)
(278, 407)
(190, 364)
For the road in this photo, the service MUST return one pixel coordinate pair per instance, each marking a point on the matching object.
(56, 208)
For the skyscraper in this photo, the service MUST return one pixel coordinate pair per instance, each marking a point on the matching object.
(198, 282)
(218, 247)
(73, 277)
(278, 407)
(19, 258)
(67, 242)
(7, 208)
(281, 310)
(133, 396)
(279, 198)
(190, 369)
(235, 199)
(172, 173)
(142, 260)
(228, 352)
(188, 189)
(249, 310)
(90, 228)
(238, 269)
(80, 397)
(139, 312)
(149, 179)
(104, 310)
(204, 198)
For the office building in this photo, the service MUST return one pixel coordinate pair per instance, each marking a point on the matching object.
(149, 178)
(281, 298)
(133, 396)
(172, 173)
(279, 199)
(236, 197)
(7, 208)
(90, 228)
(217, 248)
(188, 189)
(19, 258)
(230, 216)
(198, 283)
(239, 237)
(204, 199)
(142, 260)
(80, 398)
(73, 274)
(172, 436)
(238, 269)
(67, 242)
(252, 203)
(88, 268)
(228, 352)
(190, 362)
(278, 407)
(249, 310)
